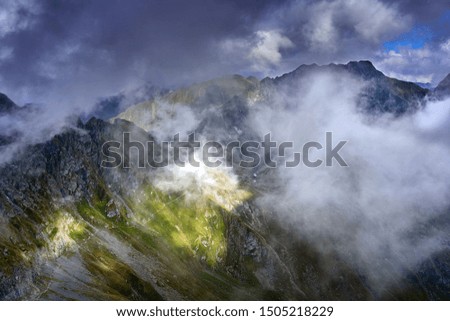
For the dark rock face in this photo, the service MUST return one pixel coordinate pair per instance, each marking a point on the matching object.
(443, 88)
(7, 107)
(64, 172)
(6, 104)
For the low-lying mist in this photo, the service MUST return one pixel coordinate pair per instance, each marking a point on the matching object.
(31, 125)
(380, 213)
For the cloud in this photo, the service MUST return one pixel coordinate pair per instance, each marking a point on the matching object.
(431, 63)
(320, 31)
(374, 20)
(78, 51)
(377, 214)
(171, 120)
(32, 125)
(266, 52)
(17, 15)
(262, 50)
(202, 184)
(445, 46)
(333, 27)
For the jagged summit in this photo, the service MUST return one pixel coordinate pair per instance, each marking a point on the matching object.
(362, 68)
(6, 104)
(383, 94)
(365, 68)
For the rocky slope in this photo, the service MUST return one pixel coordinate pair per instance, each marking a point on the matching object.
(442, 90)
(72, 230)
(6, 105)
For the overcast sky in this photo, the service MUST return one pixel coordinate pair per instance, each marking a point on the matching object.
(71, 52)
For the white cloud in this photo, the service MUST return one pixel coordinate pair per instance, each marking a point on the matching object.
(262, 52)
(321, 31)
(427, 64)
(373, 19)
(330, 25)
(16, 15)
(266, 52)
(445, 46)
(200, 184)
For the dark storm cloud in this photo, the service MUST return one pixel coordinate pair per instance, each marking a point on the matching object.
(102, 46)
(70, 52)
(424, 11)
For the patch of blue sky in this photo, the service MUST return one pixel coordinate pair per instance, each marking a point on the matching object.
(415, 39)
(420, 35)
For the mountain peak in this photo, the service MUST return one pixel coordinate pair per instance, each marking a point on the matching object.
(6, 104)
(365, 63)
(365, 68)
(443, 88)
(384, 94)
(362, 68)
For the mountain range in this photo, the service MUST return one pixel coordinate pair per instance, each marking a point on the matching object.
(72, 229)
